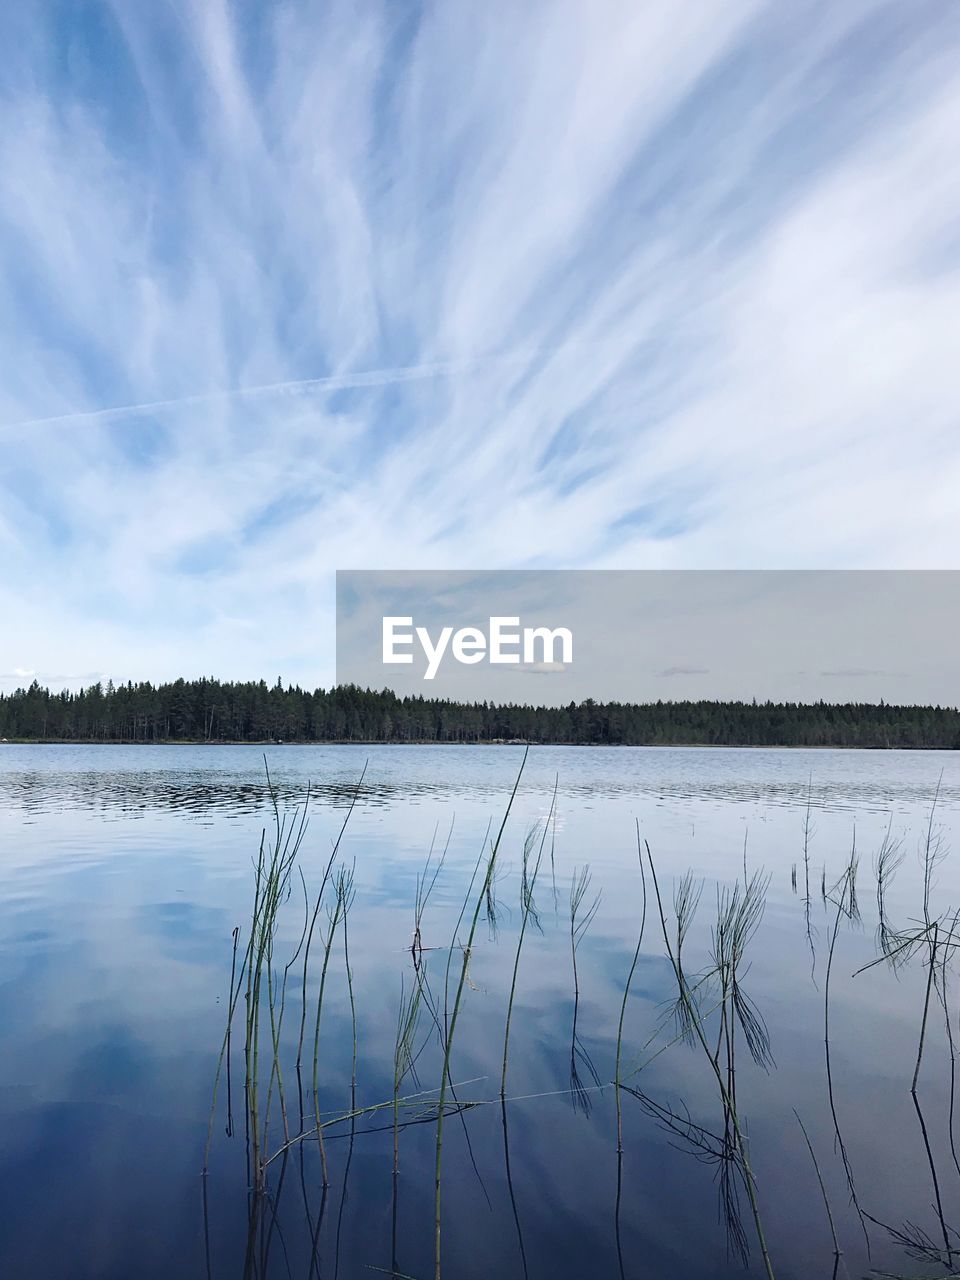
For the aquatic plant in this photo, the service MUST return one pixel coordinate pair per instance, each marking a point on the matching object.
(710, 1007)
(528, 914)
(451, 1024)
(580, 920)
(691, 1025)
(618, 1079)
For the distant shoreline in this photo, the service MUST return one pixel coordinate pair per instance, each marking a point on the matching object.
(438, 742)
(208, 711)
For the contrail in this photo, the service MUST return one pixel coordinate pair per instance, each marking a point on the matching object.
(334, 382)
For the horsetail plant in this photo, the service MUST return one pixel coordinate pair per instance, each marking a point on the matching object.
(528, 914)
(626, 992)
(328, 868)
(691, 1022)
(342, 900)
(580, 921)
(450, 1028)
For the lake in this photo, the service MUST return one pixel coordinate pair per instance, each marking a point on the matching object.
(125, 872)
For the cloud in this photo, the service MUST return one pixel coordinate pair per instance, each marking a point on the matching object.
(683, 671)
(286, 289)
(50, 679)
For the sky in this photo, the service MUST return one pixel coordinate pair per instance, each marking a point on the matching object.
(291, 288)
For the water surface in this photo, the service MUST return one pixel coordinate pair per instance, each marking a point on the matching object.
(125, 870)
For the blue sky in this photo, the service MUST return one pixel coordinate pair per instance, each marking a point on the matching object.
(289, 288)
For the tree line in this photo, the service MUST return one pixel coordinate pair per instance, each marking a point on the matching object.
(208, 710)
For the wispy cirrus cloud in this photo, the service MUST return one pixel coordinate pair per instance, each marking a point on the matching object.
(287, 289)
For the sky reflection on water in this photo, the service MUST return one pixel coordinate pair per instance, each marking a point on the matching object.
(125, 870)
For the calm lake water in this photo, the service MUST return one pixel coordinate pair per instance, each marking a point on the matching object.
(124, 872)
